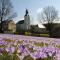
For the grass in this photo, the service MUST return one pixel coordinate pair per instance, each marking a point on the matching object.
(20, 42)
(30, 58)
(28, 33)
(39, 44)
(45, 35)
(36, 34)
(58, 46)
(6, 56)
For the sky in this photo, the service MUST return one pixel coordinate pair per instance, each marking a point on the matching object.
(34, 7)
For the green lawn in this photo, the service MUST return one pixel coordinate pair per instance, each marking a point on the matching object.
(36, 34)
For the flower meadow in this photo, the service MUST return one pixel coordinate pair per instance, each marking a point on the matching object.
(19, 47)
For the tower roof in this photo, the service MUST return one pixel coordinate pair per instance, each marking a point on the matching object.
(26, 12)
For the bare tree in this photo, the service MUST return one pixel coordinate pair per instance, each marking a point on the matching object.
(6, 11)
(49, 14)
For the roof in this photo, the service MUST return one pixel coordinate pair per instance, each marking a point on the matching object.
(20, 22)
(41, 26)
(8, 21)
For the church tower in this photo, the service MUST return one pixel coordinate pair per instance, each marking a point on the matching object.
(27, 20)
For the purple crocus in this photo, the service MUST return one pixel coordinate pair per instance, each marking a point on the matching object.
(10, 49)
(1, 39)
(30, 46)
(1, 50)
(21, 47)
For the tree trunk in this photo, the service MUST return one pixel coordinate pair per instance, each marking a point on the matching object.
(1, 30)
(50, 27)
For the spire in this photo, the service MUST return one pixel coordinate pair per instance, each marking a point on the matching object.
(26, 13)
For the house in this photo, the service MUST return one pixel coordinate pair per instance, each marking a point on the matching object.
(9, 26)
(37, 29)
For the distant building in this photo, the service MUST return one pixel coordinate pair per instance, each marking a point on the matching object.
(9, 26)
(37, 29)
(24, 25)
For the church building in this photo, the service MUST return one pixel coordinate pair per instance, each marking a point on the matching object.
(24, 25)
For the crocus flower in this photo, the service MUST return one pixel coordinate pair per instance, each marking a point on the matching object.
(21, 47)
(1, 50)
(10, 49)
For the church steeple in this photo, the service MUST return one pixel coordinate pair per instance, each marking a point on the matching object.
(27, 20)
(26, 12)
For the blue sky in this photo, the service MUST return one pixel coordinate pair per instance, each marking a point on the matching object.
(33, 6)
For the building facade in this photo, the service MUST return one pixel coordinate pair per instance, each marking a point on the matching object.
(9, 26)
(24, 25)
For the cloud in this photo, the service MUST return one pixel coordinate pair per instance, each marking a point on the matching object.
(39, 10)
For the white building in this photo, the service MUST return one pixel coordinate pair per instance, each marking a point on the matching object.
(24, 24)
